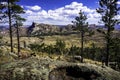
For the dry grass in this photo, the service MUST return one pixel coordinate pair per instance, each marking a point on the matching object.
(92, 62)
(73, 39)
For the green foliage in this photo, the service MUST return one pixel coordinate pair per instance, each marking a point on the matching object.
(60, 46)
(82, 27)
(80, 22)
(1, 37)
(93, 53)
(74, 50)
(1, 53)
(49, 49)
(11, 12)
(115, 49)
(37, 47)
(108, 10)
(91, 32)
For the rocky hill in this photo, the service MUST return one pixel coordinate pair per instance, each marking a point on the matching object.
(49, 69)
(39, 29)
(42, 28)
(36, 29)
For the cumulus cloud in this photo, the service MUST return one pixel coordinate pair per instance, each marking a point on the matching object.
(36, 7)
(118, 2)
(29, 12)
(60, 16)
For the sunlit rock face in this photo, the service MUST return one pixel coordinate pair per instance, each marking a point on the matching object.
(37, 29)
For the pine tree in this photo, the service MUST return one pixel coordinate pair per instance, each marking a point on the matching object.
(108, 10)
(18, 24)
(10, 13)
(82, 27)
(17, 19)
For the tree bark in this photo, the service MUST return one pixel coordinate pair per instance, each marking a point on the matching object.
(108, 46)
(10, 26)
(107, 55)
(82, 45)
(18, 38)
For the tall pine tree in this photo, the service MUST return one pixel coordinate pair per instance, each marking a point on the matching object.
(10, 12)
(82, 27)
(108, 10)
(18, 24)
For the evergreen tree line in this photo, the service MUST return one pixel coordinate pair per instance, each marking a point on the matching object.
(93, 52)
(108, 10)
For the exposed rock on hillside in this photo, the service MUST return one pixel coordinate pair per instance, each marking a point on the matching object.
(42, 28)
(49, 69)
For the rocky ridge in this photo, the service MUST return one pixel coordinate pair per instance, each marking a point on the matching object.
(49, 69)
(36, 28)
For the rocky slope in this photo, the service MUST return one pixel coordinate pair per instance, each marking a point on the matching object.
(36, 28)
(50, 69)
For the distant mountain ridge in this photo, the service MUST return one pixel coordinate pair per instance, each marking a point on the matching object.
(39, 28)
(4, 31)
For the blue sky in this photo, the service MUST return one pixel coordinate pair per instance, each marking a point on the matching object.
(53, 4)
(59, 12)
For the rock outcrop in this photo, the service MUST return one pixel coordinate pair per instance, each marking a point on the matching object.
(42, 28)
(49, 69)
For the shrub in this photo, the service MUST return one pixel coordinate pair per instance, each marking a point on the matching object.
(37, 47)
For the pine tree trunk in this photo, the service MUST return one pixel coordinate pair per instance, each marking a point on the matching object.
(108, 47)
(10, 26)
(82, 40)
(107, 55)
(81, 44)
(18, 38)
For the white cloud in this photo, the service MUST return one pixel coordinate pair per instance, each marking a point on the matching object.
(29, 12)
(62, 15)
(36, 7)
(117, 17)
(22, 6)
(118, 2)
